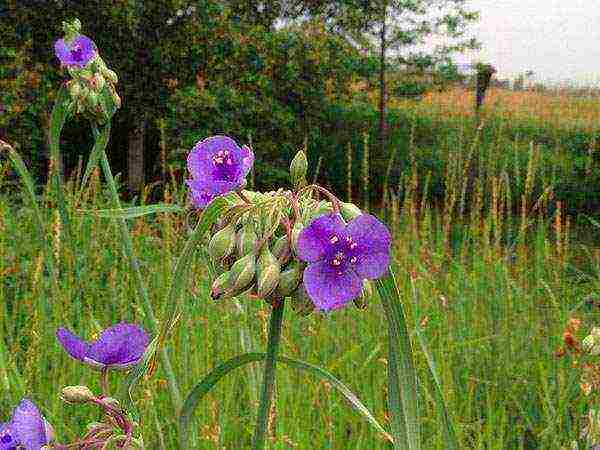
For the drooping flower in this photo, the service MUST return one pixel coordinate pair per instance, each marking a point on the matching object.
(340, 256)
(76, 53)
(217, 166)
(118, 347)
(27, 429)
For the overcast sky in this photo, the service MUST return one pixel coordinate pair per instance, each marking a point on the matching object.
(557, 39)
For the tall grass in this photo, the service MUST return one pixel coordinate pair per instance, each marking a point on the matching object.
(489, 280)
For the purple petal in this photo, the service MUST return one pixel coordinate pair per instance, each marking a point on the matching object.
(203, 192)
(314, 239)
(75, 346)
(61, 49)
(247, 160)
(77, 53)
(120, 346)
(28, 426)
(329, 289)
(373, 242)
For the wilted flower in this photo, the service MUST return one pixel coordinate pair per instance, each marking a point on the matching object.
(76, 53)
(217, 166)
(27, 429)
(340, 256)
(118, 347)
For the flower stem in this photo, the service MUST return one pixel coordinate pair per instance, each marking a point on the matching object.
(268, 384)
(137, 274)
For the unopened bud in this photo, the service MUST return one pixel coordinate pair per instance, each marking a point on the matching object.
(298, 226)
(92, 99)
(268, 272)
(246, 239)
(350, 211)
(74, 89)
(219, 286)
(301, 302)
(241, 274)
(321, 209)
(110, 75)
(222, 244)
(281, 250)
(110, 402)
(298, 168)
(362, 301)
(289, 280)
(76, 394)
(98, 82)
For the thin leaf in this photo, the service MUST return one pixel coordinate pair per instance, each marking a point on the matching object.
(100, 142)
(133, 212)
(210, 380)
(402, 376)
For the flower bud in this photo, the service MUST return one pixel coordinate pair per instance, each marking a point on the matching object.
(98, 82)
(298, 226)
(350, 211)
(268, 272)
(301, 302)
(110, 75)
(241, 274)
(230, 293)
(367, 292)
(298, 169)
(246, 239)
(219, 286)
(281, 249)
(323, 207)
(289, 280)
(74, 89)
(110, 402)
(76, 394)
(92, 99)
(222, 244)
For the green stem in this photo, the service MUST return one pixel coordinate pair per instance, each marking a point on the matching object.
(137, 274)
(268, 376)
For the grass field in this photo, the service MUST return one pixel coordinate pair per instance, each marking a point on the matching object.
(490, 278)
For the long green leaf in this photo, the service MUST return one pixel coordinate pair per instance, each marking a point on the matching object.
(101, 138)
(402, 376)
(133, 212)
(451, 440)
(210, 380)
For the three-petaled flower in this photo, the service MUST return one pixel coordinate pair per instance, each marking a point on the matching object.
(217, 166)
(118, 347)
(340, 256)
(27, 429)
(76, 53)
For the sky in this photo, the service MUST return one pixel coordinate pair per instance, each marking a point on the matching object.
(558, 39)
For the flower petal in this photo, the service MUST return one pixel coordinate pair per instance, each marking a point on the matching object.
(75, 346)
(327, 288)
(121, 345)
(247, 160)
(28, 426)
(203, 192)
(314, 239)
(62, 51)
(373, 241)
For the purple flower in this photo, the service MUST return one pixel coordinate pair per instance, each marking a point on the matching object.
(217, 165)
(118, 347)
(340, 256)
(77, 53)
(27, 429)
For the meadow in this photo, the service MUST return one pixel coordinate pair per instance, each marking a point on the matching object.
(491, 268)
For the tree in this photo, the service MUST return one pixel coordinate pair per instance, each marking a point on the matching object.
(398, 30)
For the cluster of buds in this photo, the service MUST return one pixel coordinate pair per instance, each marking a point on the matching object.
(255, 244)
(92, 88)
(116, 427)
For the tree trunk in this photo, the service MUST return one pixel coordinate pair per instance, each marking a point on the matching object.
(135, 157)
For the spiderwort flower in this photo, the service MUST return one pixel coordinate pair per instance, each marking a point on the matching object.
(27, 429)
(217, 166)
(340, 256)
(118, 347)
(75, 53)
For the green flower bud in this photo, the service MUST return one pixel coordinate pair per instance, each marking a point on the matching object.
(241, 274)
(367, 292)
(76, 394)
(231, 293)
(298, 226)
(350, 211)
(246, 239)
(110, 75)
(320, 209)
(74, 89)
(111, 402)
(92, 99)
(268, 271)
(289, 280)
(222, 244)
(301, 302)
(219, 286)
(71, 29)
(298, 169)
(98, 82)
(281, 250)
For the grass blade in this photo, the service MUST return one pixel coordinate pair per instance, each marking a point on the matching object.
(402, 376)
(218, 373)
(100, 143)
(133, 212)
